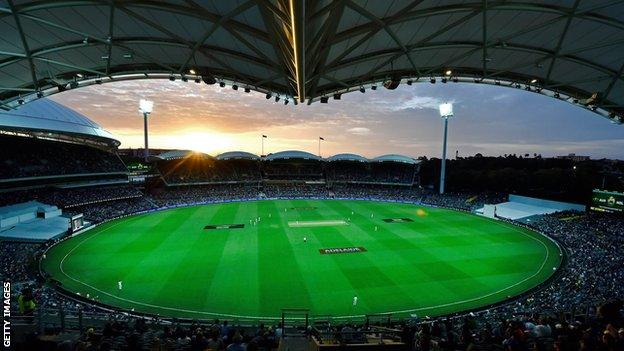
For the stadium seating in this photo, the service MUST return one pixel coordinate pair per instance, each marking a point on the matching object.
(45, 158)
(580, 306)
(197, 168)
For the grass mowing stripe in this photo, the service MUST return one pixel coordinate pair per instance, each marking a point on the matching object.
(279, 281)
(439, 271)
(187, 266)
(363, 274)
(257, 270)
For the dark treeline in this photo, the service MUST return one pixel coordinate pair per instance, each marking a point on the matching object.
(551, 178)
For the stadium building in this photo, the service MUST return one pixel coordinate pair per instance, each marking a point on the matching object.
(110, 249)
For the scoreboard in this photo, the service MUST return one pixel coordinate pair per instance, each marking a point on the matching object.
(607, 201)
(77, 222)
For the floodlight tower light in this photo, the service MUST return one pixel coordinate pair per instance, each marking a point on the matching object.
(145, 107)
(446, 111)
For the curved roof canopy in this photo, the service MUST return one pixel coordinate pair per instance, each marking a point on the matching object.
(50, 119)
(237, 155)
(292, 154)
(395, 158)
(178, 154)
(303, 50)
(347, 157)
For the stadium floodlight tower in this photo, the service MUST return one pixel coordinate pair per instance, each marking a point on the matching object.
(145, 107)
(446, 111)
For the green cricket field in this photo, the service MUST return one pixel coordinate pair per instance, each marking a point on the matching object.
(250, 260)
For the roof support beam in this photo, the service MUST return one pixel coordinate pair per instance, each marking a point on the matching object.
(27, 52)
(561, 40)
(239, 9)
(499, 41)
(577, 81)
(26, 90)
(472, 48)
(616, 77)
(297, 26)
(69, 65)
(372, 28)
(174, 36)
(410, 48)
(484, 40)
(329, 30)
(111, 25)
(83, 35)
(385, 26)
(13, 54)
(281, 44)
(269, 79)
(585, 14)
(542, 59)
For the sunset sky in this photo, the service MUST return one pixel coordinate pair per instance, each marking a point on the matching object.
(488, 119)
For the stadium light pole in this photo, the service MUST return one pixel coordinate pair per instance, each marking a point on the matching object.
(263, 137)
(320, 138)
(446, 111)
(145, 107)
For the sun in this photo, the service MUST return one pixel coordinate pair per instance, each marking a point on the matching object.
(206, 142)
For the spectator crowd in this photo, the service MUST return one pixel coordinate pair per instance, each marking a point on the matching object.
(41, 158)
(580, 309)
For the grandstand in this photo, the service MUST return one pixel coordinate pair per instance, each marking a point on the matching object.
(520, 208)
(32, 221)
(56, 146)
(181, 167)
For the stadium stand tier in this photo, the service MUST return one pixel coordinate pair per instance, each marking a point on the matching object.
(583, 295)
(45, 143)
(39, 158)
(523, 207)
(579, 306)
(32, 221)
(188, 168)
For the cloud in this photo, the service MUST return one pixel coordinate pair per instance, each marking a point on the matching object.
(502, 96)
(420, 103)
(491, 120)
(359, 131)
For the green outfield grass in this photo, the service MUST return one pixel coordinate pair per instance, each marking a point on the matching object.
(442, 262)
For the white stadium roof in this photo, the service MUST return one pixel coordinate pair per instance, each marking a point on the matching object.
(347, 157)
(395, 158)
(45, 117)
(178, 154)
(306, 50)
(287, 155)
(237, 155)
(292, 154)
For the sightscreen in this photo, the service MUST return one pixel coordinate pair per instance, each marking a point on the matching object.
(607, 201)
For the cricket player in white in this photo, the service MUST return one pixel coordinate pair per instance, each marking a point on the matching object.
(305, 239)
(120, 285)
(354, 301)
